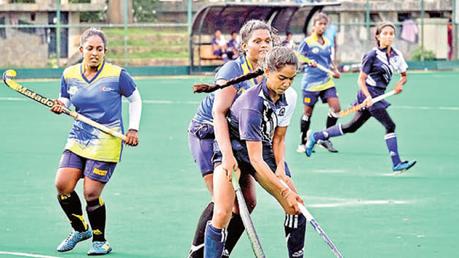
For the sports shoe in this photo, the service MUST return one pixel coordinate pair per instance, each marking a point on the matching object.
(403, 166)
(328, 145)
(72, 239)
(301, 148)
(99, 248)
(310, 145)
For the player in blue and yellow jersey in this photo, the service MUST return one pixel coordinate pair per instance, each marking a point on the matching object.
(95, 89)
(317, 49)
(254, 122)
(257, 40)
(377, 69)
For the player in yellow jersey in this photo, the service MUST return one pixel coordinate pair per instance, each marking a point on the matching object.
(95, 89)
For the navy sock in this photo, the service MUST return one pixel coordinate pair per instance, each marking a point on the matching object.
(214, 241)
(391, 142)
(295, 233)
(329, 132)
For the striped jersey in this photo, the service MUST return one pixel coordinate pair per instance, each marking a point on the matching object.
(380, 66)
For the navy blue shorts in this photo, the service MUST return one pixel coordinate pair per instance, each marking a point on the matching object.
(100, 171)
(242, 156)
(311, 97)
(201, 144)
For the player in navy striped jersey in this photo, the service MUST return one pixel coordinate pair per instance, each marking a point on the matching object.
(378, 67)
(257, 139)
(257, 39)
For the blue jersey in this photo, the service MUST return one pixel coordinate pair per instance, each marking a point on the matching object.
(228, 71)
(99, 99)
(380, 66)
(254, 116)
(315, 79)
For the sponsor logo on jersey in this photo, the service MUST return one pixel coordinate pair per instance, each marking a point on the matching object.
(73, 90)
(106, 89)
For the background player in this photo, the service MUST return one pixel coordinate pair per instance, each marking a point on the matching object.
(95, 88)
(378, 66)
(317, 49)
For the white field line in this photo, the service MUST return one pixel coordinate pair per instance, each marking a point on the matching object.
(26, 255)
(355, 203)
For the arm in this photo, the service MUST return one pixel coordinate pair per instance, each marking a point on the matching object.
(223, 101)
(363, 87)
(268, 180)
(63, 100)
(399, 86)
(279, 150)
(129, 90)
(135, 111)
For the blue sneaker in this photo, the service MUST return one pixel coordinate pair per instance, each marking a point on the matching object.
(99, 248)
(72, 239)
(403, 166)
(310, 145)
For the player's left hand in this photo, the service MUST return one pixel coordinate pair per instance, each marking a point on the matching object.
(336, 74)
(398, 88)
(132, 137)
(280, 173)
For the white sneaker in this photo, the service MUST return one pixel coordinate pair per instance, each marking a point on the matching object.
(301, 148)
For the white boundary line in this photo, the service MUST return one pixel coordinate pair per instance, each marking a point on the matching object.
(355, 202)
(27, 255)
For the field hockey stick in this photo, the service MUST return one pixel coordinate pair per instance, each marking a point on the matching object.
(246, 220)
(325, 69)
(358, 107)
(204, 87)
(317, 227)
(307, 61)
(8, 80)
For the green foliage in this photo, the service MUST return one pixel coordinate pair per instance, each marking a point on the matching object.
(421, 54)
(144, 10)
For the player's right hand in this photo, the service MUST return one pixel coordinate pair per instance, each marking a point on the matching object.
(292, 199)
(312, 63)
(368, 101)
(58, 107)
(229, 164)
